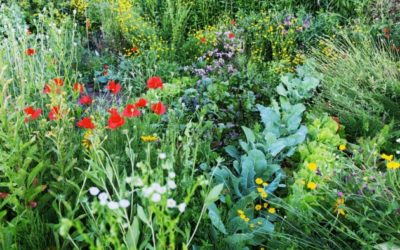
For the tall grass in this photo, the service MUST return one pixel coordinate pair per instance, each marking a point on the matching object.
(361, 83)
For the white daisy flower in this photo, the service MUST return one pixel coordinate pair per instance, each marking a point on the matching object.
(147, 191)
(171, 175)
(171, 203)
(162, 156)
(182, 207)
(103, 196)
(94, 191)
(171, 184)
(156, 197)
(124, 203)
(113, 205)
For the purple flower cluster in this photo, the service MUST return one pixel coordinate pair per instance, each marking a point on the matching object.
(218, 60)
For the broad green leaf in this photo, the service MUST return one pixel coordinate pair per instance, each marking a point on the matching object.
(214, 193)
(215, 218)
(142, 215)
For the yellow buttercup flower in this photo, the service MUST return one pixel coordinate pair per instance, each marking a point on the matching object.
(149, 138)
(272, 210)
(242, 216)
(393, 165)
(265, 184)
(260, 190)
(258, 207)
(264, 195)
(312, 166)
(259, 181)
(246, 219)
(265, 205)
(342, 147)
(311, 185)
(387, 157)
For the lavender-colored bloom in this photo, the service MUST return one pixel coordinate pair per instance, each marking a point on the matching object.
(209, 68)
(288, 20)
(307, 23)
(340, 194)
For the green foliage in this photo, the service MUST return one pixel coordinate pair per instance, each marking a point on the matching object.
(364, 98)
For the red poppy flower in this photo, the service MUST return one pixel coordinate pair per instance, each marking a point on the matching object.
(3, 195)
(131, 111)
(85, 123)
(231, 35)
(115, 120)
(134, 49)
(158, 108)
(113, 87)
(54, 113)
(78, 87)
(31, 113)
(203, 40)
(155, 82)
(85, 100)
(46, 89)
(30, 52)
(141, 103)
(59, 82)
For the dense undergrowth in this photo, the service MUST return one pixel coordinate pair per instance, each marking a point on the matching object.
(203, 124)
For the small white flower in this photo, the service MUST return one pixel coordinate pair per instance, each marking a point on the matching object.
(162, 156)
(103, 196)
(94, 191)
(124, 203)
(171, 203)
(113, 205)
(171, 175)
(147, 191)
(155, 186)
(156, 197)
(182, 207)
(128, 179)
(171, 184)
(398, 140)
(74, 12)
(398, 152)
(138, 182)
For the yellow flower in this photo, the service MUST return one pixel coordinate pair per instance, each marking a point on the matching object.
(259, 181)
(265, 205)
(258, 207)
(240, 211)
(246, 219)
(86, 142)
(341, 211)
(342, 147)
(393, 165)
(312, 166)
(311, 185)
(265, 184)
(272, 210)
(264, 195)
(242, 216)
(387, 157)
(260, 190)
(149, 138)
